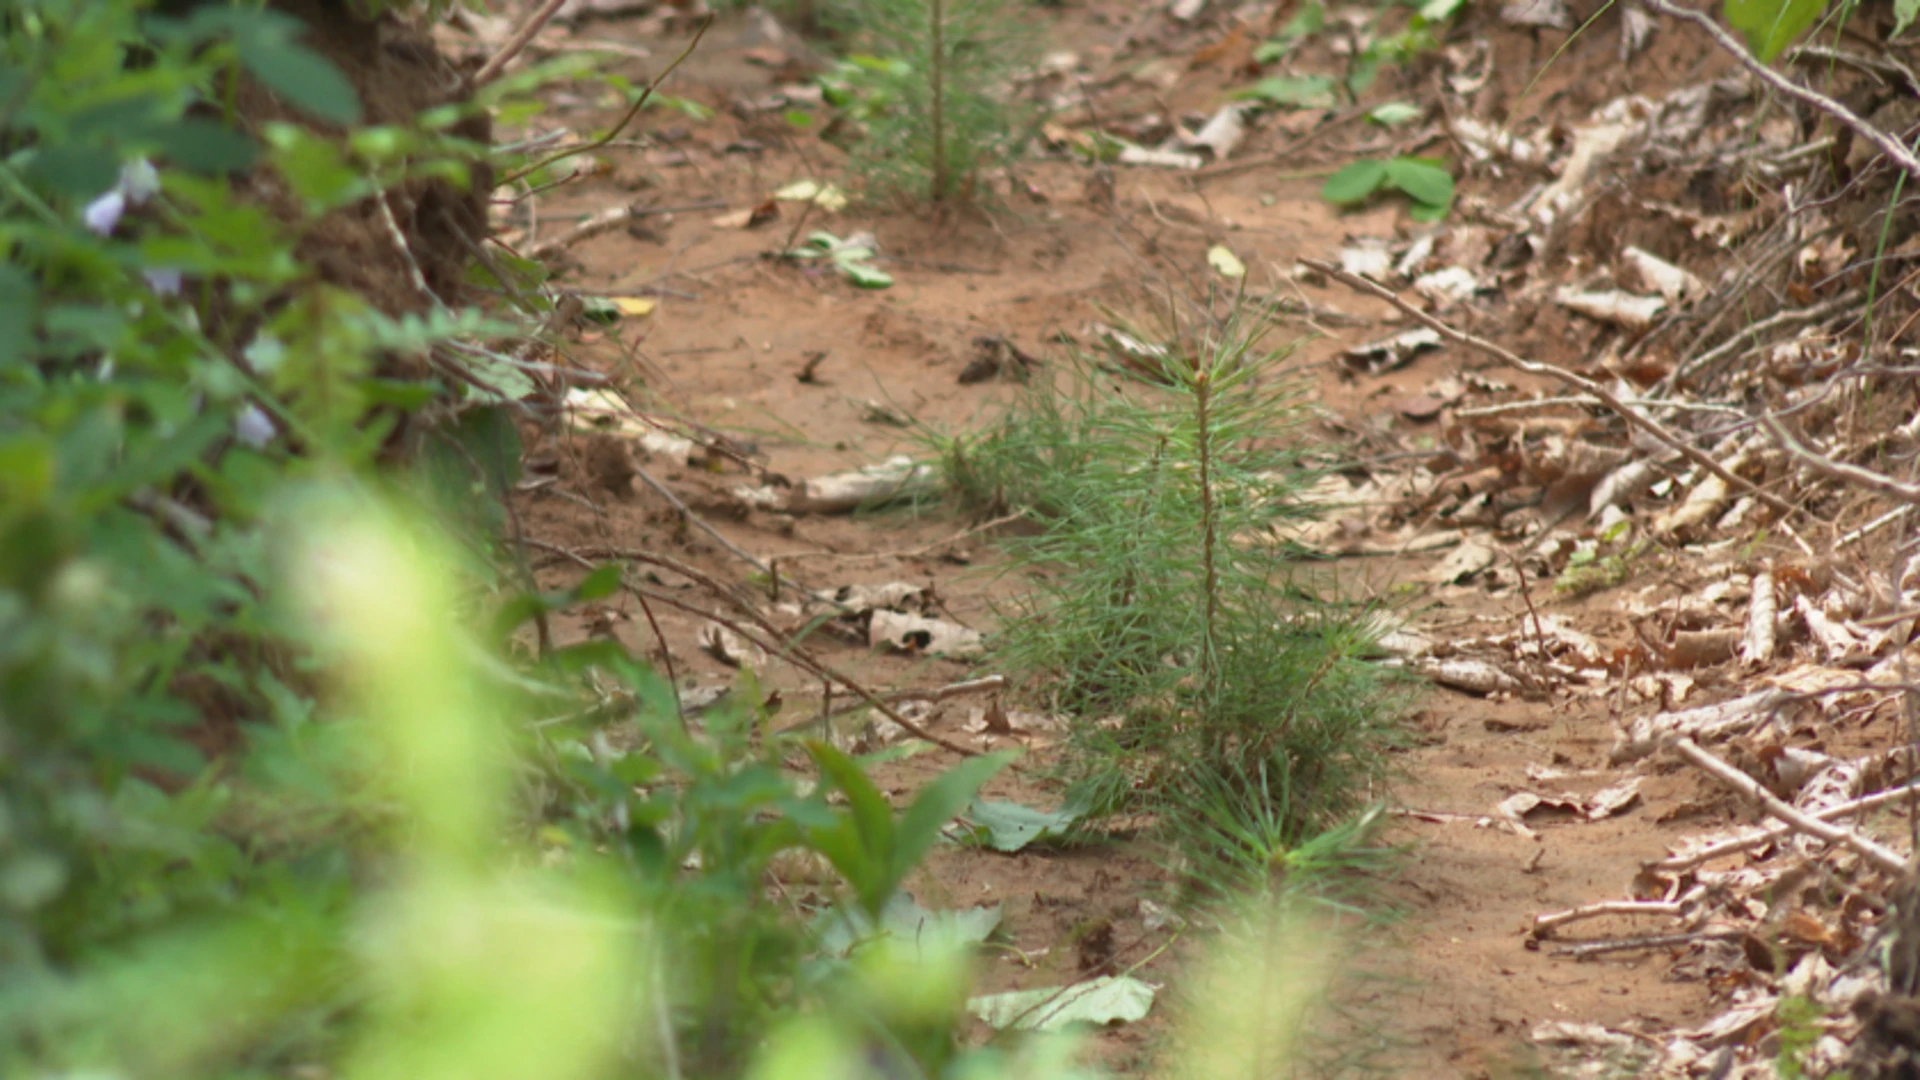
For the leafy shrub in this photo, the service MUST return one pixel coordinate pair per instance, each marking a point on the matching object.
(1164, 618)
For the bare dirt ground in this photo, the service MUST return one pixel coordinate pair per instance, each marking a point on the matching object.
(732, 332)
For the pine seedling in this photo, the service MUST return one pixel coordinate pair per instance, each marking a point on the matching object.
(937, 104)
(1165, 617)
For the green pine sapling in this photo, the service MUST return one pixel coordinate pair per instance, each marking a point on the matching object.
(938, 110)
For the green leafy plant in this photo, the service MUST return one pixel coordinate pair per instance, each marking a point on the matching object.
(1771, 25)
(1602, 564)
(852, 257)
(1182, 644)
(1425, 183)
(929, 93)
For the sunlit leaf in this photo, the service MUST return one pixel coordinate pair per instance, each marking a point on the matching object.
(1106, 1000)
(1771, 25)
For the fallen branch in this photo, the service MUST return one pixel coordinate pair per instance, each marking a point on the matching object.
(790, 653)
(1839, 470)
(1543, 924)
(1772, 833)
(938, 693)
(593, 225)
(521, 35)
(1606, 397)
(1878, 854)
(1882, 141)
(614, 131)
(1650, 941)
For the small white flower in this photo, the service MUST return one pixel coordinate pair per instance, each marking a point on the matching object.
(254, 427)
(163, 280)
(103, 213)
(139, 181)
(264, 352)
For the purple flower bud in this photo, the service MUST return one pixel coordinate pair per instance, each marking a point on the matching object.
(163, 280)
(103, 213)
(254, 427)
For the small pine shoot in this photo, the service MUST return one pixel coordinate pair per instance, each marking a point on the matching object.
(1165, 617)
(940, 109)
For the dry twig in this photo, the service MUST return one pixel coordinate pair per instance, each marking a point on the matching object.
(1881, 856)
(1632, 416)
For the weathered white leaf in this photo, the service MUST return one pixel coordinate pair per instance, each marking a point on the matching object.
(1106, 1000)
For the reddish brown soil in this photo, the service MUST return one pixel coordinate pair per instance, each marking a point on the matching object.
(732, 331)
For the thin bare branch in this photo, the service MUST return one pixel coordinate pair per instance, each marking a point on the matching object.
(1882, 141)
(1881, 856)
(1631, 415)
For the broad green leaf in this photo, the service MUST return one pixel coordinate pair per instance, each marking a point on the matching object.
(1771, 25)
(1435, 11)
(937, 804)
(1009, 827)
(1423, 181)
(17, 292)
(1427, 212)
(303, 77)
(600, 584)
(1354, 183)
(1105, 1000)
(872, 815)
(1294, 91)
(1903, 15)
(205, 146)
(1398, 112)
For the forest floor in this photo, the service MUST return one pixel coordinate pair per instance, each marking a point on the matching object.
(812, 375)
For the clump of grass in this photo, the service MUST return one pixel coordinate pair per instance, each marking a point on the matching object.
(934, 100)
(1199, 664)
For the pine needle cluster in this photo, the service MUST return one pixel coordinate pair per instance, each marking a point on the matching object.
(938, 105)
(1166, 618)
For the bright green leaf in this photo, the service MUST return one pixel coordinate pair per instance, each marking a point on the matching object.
(1292, 91)
(1354, 183)
(1398, 112)
(1422, 181)
(937, 804)
(1903, 15)
(864, 274)
(1771, 25)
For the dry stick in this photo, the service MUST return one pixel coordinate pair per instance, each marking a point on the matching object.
(631, 112)
(1879, 855)
(1544, 923)
(938, 693)
(1885, 143)
(1840, 470)
(1535, 367)
(789, 653)
(1651, 941)
(518, 41)
(601, 222)
(1772, 833)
